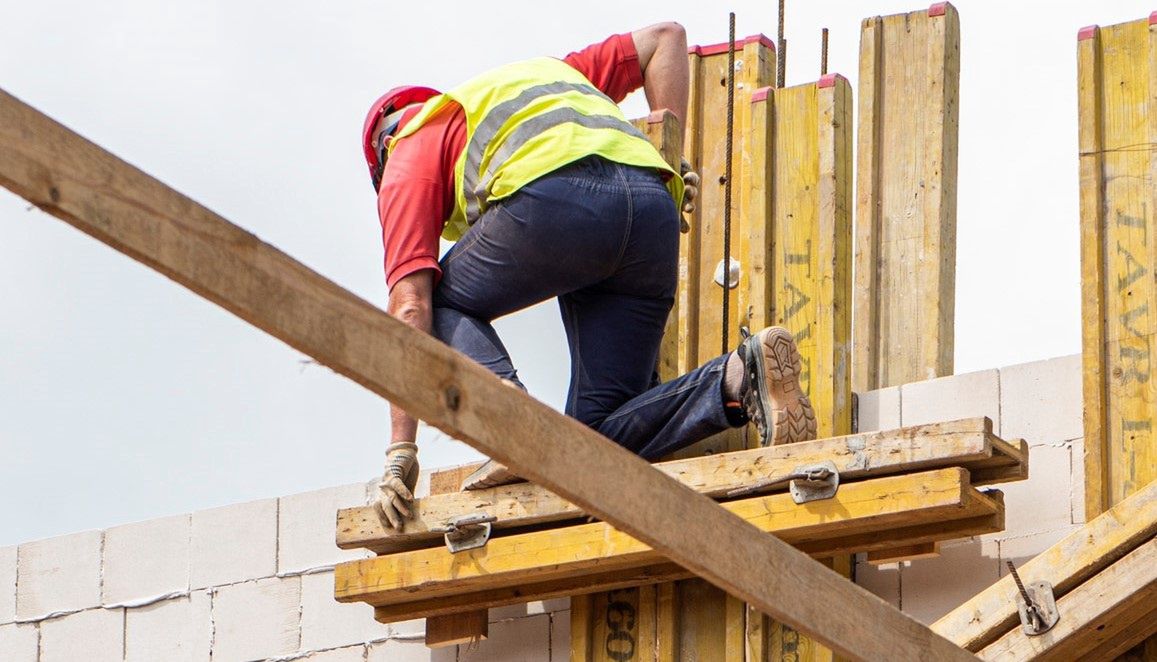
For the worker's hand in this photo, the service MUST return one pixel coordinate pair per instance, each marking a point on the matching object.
(690, 185)
(396, 491)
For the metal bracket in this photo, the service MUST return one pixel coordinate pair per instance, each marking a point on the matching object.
(819, 481)
(1036, 605)
(809, 482)
(466, 531)
(733, 276)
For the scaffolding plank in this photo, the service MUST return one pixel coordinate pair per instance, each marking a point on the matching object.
(1096, 614)
(105, 197)
(906, 197)
(967, 443)
(1080, 555)
(1119, 255)
(869, 508)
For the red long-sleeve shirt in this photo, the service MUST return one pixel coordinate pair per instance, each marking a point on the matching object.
(417, 192)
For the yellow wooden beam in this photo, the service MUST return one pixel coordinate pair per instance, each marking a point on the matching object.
(84, 185)
(906, 197)
(1101, 612)
(1080, 555)
(874, 507)
(967, 443)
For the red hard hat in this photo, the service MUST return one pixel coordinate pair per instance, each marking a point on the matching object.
(397, 98)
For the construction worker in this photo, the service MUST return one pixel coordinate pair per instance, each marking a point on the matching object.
(532, 169)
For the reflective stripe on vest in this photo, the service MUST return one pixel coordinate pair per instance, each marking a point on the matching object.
(476, 185)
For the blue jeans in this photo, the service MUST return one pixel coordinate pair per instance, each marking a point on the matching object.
(604, 239)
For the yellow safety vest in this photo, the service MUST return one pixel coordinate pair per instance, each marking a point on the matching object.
(525, 120)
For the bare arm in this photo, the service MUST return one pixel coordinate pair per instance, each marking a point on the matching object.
(410, 301)
(662, 50)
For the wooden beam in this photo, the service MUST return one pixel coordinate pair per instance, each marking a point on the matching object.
(1080, 555)
(869, 508)
(905, 248)
(463, 627)
(1093, 615)
(924, 550)
(967, 443)
(76, 181)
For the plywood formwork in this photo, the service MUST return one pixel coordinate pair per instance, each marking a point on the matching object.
(84, 185)
(905, 253)
(1080, 556)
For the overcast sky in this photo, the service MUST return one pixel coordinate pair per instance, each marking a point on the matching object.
(124, 397)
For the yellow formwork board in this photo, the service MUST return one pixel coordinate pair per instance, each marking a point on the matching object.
(1119, 254)
(906, 197)
(1116, 82)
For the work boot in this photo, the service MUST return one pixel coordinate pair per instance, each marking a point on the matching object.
(772, 396)
(490, 474)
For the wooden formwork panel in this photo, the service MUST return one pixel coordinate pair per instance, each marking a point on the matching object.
(906, 197)
(1118, 125)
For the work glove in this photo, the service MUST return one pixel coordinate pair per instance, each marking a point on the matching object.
(396, 491)
(690, 192)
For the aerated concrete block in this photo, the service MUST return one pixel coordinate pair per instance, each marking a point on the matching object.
(174, 630)
(146, 559)
(1041, 402)
(327, 623)
(1044, 501)
(878, 410)
(931, 588)
(882, 580)
(517, 640)
(951, 398)
(1025, 548)
(1077, 459)
(58, 575)
(412, 651)
(349, 654)
(233, 544)
(257, 619)
(306, 528)
(95, 635)
(7, 584)
(19, 642)
(560, 635)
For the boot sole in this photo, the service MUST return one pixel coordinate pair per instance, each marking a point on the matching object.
(792, 416)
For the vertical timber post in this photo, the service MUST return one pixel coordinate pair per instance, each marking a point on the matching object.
(906, 199)
(1117, 111)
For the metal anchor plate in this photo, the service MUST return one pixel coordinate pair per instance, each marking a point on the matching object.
(466, 531)
(819, 481)
(1041, 615)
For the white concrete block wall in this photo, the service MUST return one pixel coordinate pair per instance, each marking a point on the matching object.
(1039, 402)
(255, 581)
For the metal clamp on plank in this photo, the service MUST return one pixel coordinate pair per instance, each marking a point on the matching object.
(1036, 605)
(466, 531)
(809, 482)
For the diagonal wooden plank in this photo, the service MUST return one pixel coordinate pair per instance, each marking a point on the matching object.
(1080, 555)
(105, 197)
(1093, 615)
(967, 443)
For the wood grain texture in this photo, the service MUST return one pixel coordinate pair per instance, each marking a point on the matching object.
(1110, 610)
(906, 201)
(869, 510)
(966, 443)
(1080, 555)
(463, 627)
(1116, 70)
(105, 197)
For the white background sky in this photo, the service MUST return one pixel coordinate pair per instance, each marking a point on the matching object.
(124, 397)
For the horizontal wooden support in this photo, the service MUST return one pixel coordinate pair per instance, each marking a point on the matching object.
(1093, 615)
(924, 550)
(866, 508)
(1080, 555)
(105, 197)
(665, 571)
(968, 443)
